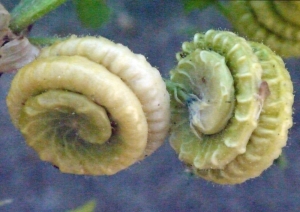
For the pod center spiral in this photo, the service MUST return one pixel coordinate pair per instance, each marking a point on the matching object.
(209, 85)
(67, 116)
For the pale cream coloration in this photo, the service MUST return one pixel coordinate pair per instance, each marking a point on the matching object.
(143, 79)
(110, 78)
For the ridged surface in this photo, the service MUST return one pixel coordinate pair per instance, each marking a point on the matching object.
(144, 80)
(216, 150)
(64, 131)
(274, 23)
(214, 104)
(257, 130)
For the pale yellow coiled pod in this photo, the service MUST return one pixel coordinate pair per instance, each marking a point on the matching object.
(231, 107)
(275, 23)
(90, 106)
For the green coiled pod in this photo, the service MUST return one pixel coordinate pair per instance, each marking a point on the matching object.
(90, 106)
(242, 96)
(275, 23)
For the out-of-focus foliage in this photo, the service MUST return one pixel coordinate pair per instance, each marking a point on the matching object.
(87, 207)
(92, 13)
(190, 5)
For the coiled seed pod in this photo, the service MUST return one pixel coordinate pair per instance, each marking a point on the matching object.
(274, 23)
(231, 107)
(90, 106)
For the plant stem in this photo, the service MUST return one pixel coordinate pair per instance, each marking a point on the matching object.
(28, 11)
(45, 41)
(177, 89)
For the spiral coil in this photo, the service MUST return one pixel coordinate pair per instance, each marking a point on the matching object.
(274, 23)
(253, 133)
(90, 106)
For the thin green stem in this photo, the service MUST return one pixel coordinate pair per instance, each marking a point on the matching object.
(45, 41)
(177, 90)
(28, 11)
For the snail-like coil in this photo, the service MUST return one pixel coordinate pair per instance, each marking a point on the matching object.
(231, 107)
(90, 106)
(275, 23)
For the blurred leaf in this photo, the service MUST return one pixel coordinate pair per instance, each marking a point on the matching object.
(45, 41)
(92, 13)
(29, 11)
(282, 161)
(87, 207)
(190, 5)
